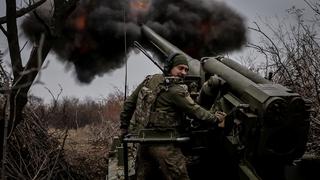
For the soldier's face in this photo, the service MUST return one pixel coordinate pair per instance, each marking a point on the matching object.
(180, 70)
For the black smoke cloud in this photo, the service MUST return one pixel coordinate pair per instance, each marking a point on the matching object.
(93, 35)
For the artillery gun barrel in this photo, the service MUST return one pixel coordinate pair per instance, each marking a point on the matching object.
(167, 49)
(237, 81)
(163, 45)
(244, 71)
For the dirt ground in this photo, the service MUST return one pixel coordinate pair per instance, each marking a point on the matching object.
(86, 156)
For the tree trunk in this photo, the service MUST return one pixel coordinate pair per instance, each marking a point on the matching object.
(22, 84)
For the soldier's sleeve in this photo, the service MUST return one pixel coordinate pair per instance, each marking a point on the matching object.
(129, 107)
(181, 99)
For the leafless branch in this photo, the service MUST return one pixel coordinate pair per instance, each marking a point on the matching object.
(313, 6)
(23, 11)
(55, 98)
(46, 26)
(60, 151)
(272, 49)
(3, 30)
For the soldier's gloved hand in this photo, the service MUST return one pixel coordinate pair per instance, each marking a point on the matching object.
(221, 118)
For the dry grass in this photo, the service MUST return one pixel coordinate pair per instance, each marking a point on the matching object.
(84, 153)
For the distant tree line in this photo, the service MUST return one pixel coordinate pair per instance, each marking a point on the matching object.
(73, 113)
(35, 150)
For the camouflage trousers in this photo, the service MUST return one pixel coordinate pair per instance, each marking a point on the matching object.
(161, 161)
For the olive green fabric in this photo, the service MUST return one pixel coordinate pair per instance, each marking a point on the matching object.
(161, 102)
(145, 102)
(173, 101)
(179, 59)
(166, 158)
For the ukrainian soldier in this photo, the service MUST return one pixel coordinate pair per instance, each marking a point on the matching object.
(161, 101)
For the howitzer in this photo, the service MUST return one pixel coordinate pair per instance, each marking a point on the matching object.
(266, 127)
(269, 122)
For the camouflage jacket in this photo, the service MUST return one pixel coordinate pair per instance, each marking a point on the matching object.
(157, 103)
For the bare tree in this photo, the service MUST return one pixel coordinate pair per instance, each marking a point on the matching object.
(24, 76)
(292, 54)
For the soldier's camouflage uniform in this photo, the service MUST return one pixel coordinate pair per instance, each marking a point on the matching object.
(161, 103)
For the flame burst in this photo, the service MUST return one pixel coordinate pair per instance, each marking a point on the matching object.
(80, 23)
(140, 5)
(78, 20)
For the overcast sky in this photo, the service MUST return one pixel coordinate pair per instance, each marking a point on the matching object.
(138, 66)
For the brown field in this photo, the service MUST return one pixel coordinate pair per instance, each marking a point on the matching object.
(81, 150)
